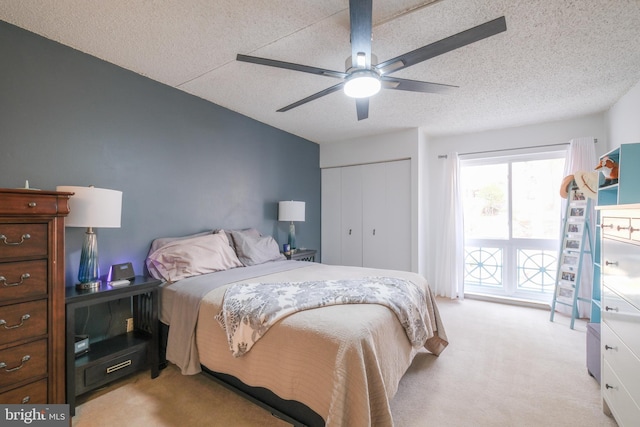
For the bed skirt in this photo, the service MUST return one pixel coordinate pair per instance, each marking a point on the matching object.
(291, 411)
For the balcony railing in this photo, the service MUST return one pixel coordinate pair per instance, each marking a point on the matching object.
(533, 271)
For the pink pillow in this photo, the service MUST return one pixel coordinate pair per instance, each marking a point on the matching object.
(162, 241)
(191, 257)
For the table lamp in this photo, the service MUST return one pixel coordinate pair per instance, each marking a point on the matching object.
(291, 211)
(92, 207)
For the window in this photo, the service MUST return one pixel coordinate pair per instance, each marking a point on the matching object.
(512, 217)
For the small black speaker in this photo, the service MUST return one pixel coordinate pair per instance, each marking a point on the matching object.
(121, 271)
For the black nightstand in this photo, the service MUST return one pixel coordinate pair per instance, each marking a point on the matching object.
(117, 356)
(303, 255)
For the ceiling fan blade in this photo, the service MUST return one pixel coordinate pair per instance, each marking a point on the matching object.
(361, 16)
(292, 66)
(310, 98)
(456, 41)
(415, 85)
(362, 108)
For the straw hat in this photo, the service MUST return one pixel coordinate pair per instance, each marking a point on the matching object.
(588, 183)
(564, 187)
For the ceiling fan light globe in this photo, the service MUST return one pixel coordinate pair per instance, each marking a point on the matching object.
(362, 86)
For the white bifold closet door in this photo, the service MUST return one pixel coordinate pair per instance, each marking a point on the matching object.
(366, 215)
(351, 216)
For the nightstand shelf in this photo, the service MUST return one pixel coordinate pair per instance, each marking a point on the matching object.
(120, 355)
(111, 359)
(303, 255)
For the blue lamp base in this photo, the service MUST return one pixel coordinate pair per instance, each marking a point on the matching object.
(292, 237)
(89, 273)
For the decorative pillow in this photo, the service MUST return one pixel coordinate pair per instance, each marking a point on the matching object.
(255, 249)
(191, 257)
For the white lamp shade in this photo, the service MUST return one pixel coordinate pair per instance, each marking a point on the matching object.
(93, 207)
(291, 211)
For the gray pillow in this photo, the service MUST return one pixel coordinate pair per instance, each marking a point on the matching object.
(246, 231)
(254, 249)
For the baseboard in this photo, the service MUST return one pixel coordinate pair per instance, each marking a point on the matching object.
(507, 300)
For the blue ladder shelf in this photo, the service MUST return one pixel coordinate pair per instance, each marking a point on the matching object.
(576, 241)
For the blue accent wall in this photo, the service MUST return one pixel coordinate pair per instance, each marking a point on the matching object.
(183, 164)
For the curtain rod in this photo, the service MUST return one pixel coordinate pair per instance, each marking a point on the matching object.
(444, 156)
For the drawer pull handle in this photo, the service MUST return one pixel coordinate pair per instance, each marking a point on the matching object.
(609, 386)
(26, 399)
(25, 359)
(118, 366)
(611, 263)
(622, 228)
(374, 231)
(349, 232)
(607, 308)
(608, 347)
(631, 229)
(32, 204)
(22, 279)
(24, 237)
(24, 317)
(606, 226)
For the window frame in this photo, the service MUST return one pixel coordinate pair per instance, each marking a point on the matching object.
(511, 246)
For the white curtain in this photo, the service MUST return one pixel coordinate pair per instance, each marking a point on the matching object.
(581, 156)
(449, 269)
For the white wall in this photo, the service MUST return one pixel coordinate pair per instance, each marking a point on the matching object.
(623, 119)
(378, 148)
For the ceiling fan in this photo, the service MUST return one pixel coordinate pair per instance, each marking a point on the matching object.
(364, 77)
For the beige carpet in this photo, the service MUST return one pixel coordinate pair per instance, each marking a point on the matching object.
(505, 366)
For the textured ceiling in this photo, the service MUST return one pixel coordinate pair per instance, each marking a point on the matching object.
(558, 58)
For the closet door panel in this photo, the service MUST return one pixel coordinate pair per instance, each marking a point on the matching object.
(351, 216)
(398, 215)
(331, 252)
(374, 227)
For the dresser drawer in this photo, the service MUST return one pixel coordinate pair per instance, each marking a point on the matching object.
(23, 240)
(23, 279)
(624, 409)
(34, 393)
(24, 320)
(622, 360)
(23, 362)
(615, 226)
(621, 269)
(621, 317)
(34, 203)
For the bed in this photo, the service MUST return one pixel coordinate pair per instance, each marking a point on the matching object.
(336, 365)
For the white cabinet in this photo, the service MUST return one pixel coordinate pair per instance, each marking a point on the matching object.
(620, 337)
(366, 215)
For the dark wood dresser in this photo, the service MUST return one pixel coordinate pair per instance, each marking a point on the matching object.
(32, 296)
